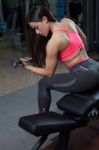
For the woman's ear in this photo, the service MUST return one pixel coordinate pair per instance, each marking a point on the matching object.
(44, 18)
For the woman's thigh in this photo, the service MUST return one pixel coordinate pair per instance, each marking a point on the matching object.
(59, 82)
(78, 80)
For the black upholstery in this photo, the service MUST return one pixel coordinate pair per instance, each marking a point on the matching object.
(46, 123)
(92, 94)
(75, 105)
(79, 104)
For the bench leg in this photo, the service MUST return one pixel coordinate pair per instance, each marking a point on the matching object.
(63, 141)
(39, 143)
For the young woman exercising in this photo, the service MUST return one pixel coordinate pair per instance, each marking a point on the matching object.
(50, 41)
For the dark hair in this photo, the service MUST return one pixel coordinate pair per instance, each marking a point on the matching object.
(37, 43)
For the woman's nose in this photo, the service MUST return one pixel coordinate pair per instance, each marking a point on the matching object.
(37, 31)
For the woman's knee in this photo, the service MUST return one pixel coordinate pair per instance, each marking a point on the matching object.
(43, 82)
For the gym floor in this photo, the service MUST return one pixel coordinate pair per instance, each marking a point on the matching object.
(17, 86)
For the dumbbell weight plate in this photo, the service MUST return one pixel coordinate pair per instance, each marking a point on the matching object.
(14, 63)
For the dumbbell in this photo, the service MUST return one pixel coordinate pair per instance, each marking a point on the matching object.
(16, 62)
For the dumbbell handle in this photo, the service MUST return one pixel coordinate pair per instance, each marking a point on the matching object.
(15, 62)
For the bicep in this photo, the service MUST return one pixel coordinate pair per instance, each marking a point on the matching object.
(51, 63)
(51, 57)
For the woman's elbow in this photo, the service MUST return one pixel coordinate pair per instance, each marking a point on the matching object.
(49, 74)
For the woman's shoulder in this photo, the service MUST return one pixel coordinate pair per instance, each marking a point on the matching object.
(66, 20)
(59, 40)
(69, 24)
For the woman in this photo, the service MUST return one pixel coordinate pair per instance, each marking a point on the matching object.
(51, 41)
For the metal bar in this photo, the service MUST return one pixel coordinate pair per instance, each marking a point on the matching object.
(63, 140)
(1, 12)
(97, 25)
(39, 143)
(26, 7)
(88, 21)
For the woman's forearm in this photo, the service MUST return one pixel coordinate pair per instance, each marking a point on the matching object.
(38, 70)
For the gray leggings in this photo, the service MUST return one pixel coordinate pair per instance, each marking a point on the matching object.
(80, 78)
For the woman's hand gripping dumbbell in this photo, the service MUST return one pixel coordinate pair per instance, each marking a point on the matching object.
(20, 61)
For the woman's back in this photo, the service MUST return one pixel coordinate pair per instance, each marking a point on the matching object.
(74, 47)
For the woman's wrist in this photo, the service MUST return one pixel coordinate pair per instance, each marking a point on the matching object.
(28, 67)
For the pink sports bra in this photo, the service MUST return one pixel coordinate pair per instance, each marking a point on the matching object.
(74, 46)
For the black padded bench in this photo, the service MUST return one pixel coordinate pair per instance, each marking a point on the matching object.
(46, 123)
(75, 107)
(79, 104)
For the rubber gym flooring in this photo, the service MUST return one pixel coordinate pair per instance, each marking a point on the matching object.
(12, 107)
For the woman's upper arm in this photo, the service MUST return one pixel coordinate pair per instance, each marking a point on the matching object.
(52, 49)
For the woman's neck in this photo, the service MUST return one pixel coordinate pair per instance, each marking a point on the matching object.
(53, 26)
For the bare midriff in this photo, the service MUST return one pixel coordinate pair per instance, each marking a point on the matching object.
(77, 58)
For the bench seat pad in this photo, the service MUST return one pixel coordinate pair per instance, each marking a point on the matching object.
(81, 103)
(76, 105)
(46, 123)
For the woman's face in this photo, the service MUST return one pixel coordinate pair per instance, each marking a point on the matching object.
(41, 28)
